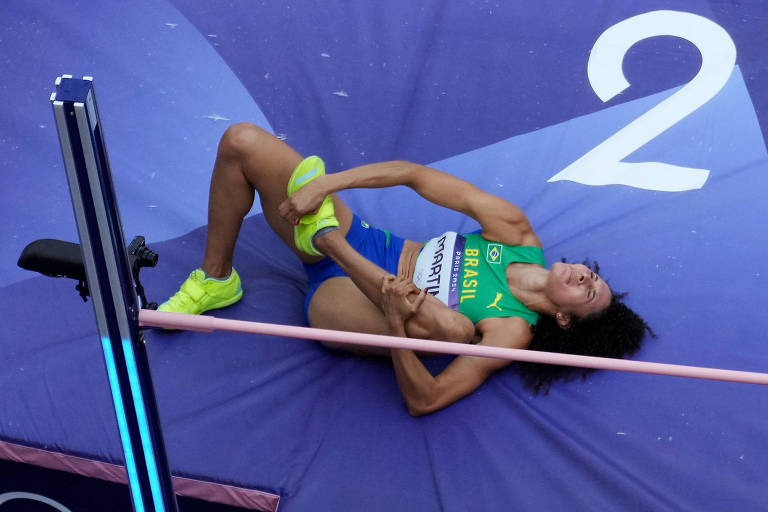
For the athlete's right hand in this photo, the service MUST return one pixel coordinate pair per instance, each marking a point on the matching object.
(307, 199)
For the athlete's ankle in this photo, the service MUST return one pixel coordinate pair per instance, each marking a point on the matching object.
(326, 238)
(216, 271)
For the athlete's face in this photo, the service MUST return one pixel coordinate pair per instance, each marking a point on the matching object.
(577, 291)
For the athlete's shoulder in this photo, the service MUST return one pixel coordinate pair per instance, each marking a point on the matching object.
(512, 233)
(509, 332)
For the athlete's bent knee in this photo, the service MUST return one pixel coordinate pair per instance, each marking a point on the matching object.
(240, 138)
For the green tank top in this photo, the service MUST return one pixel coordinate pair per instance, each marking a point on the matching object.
(468, 273)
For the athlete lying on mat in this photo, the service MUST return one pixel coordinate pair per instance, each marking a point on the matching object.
(503, 295)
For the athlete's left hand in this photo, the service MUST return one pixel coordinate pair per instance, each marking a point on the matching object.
(394, 298)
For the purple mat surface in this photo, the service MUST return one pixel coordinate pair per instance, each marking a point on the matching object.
(496, 94)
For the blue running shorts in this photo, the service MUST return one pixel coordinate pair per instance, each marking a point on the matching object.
(377, 245)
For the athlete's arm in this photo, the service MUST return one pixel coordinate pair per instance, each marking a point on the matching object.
(436, 321)
(413, 313)
(425, 393)
(501, 220)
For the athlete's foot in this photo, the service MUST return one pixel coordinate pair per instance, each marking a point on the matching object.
(312, 224)
(200, 293)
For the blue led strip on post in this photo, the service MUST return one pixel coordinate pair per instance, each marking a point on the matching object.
(122, 423)
(111, 286)
(141, 414)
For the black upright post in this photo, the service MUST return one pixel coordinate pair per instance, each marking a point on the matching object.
(114, 295)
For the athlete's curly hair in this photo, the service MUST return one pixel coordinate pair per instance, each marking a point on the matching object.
(615, 332)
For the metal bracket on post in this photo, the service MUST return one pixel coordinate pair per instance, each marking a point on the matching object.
(114, 297)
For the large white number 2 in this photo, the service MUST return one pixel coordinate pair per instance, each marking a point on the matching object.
(603, 165)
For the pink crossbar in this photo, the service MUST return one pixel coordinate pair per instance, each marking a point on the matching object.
(205, 323)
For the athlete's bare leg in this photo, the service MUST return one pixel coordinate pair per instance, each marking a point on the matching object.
(250, 159)
(434, 320)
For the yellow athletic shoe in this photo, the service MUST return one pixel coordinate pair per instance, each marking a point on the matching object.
(199, 294)
(309, 169)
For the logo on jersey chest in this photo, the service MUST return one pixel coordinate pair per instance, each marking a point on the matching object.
(471, 273)
(493, 253)
(495, 303)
